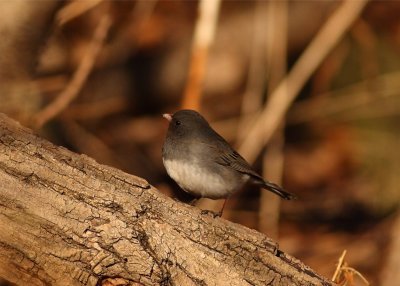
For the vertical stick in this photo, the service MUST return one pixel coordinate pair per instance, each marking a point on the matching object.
(203, 37)
(283, 96)
(277, 29)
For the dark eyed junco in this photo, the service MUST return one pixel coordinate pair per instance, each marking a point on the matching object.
(203, 164)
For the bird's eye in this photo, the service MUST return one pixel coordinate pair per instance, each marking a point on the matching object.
(177, 122)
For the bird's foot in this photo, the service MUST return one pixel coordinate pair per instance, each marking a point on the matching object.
(277, 251)
(212, 213)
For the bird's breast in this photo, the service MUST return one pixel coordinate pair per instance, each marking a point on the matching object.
(200, 180)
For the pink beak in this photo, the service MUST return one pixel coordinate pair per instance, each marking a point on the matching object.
(167, 116)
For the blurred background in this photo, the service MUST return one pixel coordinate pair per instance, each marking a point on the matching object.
(307, 91)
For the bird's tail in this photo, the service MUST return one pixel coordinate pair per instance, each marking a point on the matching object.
(278, 191)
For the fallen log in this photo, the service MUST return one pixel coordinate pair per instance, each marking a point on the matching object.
(67, 220)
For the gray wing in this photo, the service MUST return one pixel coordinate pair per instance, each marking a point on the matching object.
(228, 157)
(225, 155)
(233, 160)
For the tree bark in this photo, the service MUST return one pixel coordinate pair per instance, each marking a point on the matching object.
(67, 220)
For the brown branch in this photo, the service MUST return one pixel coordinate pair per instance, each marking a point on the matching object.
(284, 95)
(24, 27)
(87, 143)
(79, 77)
(203, 37)
(74, 9)
(339, 266)
(67, 220)
(273, 160)
(344, 275)
(352, 102)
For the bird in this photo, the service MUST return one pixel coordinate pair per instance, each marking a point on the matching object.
(203, 163)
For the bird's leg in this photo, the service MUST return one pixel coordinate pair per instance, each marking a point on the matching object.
(222, 209)
(215, 214)
(193, 201)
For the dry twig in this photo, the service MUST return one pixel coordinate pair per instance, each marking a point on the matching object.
(88, 143)
(252, 97)
(79, 77)
(286, 92)
(351, 98)
(339, 266)
(273, 160)
(203, 37)
(347, 272)
(74, 9)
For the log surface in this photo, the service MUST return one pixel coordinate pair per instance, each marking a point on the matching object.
(67, 220)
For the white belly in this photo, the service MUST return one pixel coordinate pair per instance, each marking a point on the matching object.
(197, 181)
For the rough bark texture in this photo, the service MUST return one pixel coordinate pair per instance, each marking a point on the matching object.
(67, 220)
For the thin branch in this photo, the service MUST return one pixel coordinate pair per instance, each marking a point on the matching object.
(279, 102)
(347, 271)
(273, 159)
(339, 266)
(255, 84)
(79, 78)
(352, 270)
(74, 9)
(203, 37)
(88, 143)
(350, 98)
(97, 109)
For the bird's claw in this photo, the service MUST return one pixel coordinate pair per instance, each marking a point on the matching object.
(212, 213)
